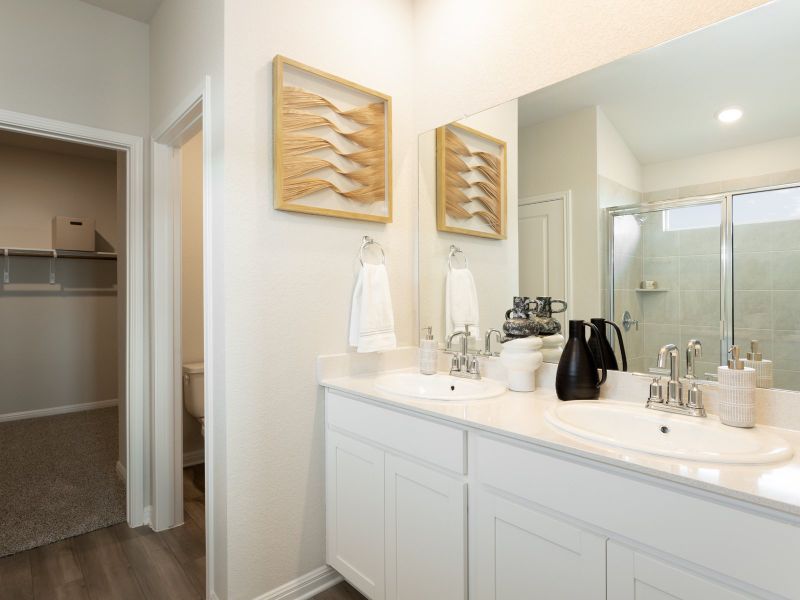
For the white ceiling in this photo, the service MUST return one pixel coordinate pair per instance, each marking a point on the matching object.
(663, 101)
(141, 10)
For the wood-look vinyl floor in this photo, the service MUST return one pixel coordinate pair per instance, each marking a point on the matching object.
(120, 563)
(116, 563)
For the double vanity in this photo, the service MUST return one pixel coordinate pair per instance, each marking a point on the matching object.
(443, 488)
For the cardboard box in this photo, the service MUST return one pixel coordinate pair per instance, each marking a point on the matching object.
(73, 233)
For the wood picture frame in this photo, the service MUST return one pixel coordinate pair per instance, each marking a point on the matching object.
(471, 182)
(332, 142)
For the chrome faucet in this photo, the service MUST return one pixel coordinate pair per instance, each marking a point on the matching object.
(674, 402)
(674, 385)
(487, 342)
(463, 364)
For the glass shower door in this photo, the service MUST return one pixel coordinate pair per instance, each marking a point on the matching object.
(766, 278)
(666, 275)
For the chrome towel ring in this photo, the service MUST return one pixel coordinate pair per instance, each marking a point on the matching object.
(454, 250)
(368, 241)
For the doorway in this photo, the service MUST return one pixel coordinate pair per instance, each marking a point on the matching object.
(127, 155)
(544, 266)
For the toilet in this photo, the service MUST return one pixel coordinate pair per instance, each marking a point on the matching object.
(193, 392)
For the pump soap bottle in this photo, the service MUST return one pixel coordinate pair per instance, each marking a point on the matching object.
(763, 368)
(737, 392)
(428, 352)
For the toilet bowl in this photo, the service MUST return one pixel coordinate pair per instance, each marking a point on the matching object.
(193, 392)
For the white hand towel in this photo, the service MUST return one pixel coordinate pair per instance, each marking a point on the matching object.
(371, 318)
(461, 302)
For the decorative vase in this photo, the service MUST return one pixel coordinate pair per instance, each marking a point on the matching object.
(576, 377)
(599, 344)
(544, 315)
(521, 358)
(518, 319)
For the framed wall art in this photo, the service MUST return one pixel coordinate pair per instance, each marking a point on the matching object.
(471, 182)
(333, 145)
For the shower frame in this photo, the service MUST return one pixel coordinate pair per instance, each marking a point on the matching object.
(725, 199)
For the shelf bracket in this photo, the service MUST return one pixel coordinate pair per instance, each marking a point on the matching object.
(53, 268)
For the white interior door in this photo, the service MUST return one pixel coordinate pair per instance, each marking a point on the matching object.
(542, 248)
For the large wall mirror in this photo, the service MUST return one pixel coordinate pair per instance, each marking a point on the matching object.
(661, 191)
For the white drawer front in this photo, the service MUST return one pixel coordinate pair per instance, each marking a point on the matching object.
(435, 443)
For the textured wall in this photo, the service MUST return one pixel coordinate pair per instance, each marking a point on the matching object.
(289, 277)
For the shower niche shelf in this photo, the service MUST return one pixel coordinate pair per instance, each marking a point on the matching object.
(645, 291)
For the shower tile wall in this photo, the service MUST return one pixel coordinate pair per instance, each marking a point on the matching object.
(686, 266)
(767, 294)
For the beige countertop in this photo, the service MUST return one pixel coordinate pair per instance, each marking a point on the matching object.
(521, 416)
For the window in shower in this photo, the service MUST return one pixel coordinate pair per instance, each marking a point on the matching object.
(766, 278)
(666, 270)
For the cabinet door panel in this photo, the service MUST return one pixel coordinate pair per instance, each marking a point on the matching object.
(633, 575)
(355, 511)
(517, 552)
(425, 533)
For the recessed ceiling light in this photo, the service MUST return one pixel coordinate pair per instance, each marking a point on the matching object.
(730, 115)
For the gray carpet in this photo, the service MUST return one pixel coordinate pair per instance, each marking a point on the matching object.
(58, 478)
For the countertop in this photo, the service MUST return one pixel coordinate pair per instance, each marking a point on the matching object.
(521, 416)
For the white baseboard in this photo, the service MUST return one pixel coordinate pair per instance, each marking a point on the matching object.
(57, 410)
(122, 472)
(305, 586)
(194, 457)
(148, 516)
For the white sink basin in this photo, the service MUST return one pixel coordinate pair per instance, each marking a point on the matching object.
(438, 386)
(637, 428)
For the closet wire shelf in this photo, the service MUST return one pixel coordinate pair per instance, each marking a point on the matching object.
(50, 253)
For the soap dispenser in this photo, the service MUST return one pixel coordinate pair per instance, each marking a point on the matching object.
(428, 352)
(763, 368)
(737, 392)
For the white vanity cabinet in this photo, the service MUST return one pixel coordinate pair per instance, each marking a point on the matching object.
(396, 502)
(419, 507)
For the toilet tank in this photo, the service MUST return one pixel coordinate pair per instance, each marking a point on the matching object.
(193, 389)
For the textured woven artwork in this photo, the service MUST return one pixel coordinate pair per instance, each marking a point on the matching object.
(332, 145)
(471, 173)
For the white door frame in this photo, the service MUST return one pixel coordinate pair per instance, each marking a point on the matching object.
(135, 299)
(567, 213)
(190, 117)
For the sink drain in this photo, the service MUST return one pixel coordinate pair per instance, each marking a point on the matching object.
(664, 429)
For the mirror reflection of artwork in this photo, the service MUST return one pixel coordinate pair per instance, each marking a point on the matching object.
(471, 176)
(332, 145)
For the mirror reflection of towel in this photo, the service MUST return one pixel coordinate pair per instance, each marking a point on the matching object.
(371, 316)
(461, 302)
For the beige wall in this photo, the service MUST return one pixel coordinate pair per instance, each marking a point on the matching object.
(560, 155)
(60, 341)
(276, 322)
(737, 168)
(289, 277)
(191, 273)
(494, 263)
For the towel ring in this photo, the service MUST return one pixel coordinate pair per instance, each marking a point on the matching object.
(454, 250)
(368, 241)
